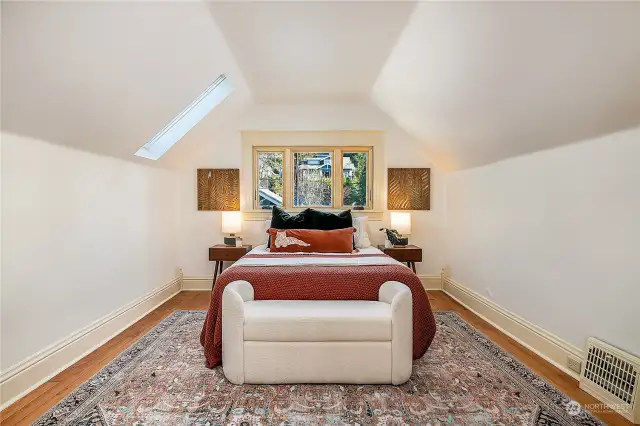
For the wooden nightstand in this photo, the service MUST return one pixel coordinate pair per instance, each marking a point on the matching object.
(410, 254)
(221, 253)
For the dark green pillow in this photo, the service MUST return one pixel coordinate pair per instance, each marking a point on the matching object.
(327, 221)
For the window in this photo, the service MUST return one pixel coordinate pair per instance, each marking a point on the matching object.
(355, 184)
(312, 179)
(324, 177)
(187, 119)
(270, 180)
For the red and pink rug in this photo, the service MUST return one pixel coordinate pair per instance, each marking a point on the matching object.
(463, 379)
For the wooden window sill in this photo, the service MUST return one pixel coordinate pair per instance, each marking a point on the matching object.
(266, 214)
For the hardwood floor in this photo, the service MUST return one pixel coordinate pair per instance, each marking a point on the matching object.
(33, 405)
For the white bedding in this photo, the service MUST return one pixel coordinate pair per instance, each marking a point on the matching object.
(324, 259)
(262, 249)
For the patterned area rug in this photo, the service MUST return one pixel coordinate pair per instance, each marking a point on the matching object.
(463, 379)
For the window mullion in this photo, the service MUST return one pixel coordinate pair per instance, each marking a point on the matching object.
(370, 179)
(287, 187)
(337, 179)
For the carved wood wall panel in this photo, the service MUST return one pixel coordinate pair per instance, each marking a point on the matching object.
(218, 189)
(409, 189)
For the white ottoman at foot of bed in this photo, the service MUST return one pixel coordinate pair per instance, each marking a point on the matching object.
(317, 341)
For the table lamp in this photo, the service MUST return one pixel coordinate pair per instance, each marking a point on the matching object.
(231, 224)
(401, 222)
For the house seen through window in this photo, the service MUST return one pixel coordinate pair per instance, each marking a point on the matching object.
(299, 177)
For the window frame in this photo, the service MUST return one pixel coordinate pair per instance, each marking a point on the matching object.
(337, 196)
(187, 119)
(369, 193)
(256, 175)
(292, 152)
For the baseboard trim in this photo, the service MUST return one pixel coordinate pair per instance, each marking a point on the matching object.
(546, 345)
(197, 283)
(430, 282)
(27, 375)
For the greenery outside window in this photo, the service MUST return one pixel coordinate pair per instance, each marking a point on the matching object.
(269, 179)
(325, 177)
(355, 178)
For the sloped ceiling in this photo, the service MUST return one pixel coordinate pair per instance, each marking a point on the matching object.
(483, 81)
(107, 76)
(311, 51)
(475, 82)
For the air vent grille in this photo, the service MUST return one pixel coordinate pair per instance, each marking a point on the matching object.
(611, 373)
(612, 376)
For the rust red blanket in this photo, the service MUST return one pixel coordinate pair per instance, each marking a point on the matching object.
(313, 282)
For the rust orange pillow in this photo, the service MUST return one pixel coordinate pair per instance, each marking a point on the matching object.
(311, 240)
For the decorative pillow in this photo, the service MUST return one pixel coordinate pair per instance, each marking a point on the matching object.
(267, 225)
(311, 240)
(361, 236)
(327, 221)
(283, 220)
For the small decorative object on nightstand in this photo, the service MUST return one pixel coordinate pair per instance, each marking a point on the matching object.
(409, 254)
(222, 253)
(394, 239)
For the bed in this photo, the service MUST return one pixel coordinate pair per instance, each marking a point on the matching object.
(317, 276)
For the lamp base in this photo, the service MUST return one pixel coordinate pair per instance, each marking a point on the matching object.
(230, 240)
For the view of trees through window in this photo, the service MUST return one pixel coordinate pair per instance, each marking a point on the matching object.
(270, 180)
(312, 179)
(292, 177)
(354, 178)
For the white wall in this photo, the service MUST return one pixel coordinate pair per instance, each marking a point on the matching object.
(83, 235)
(555, 237)
(221, 147)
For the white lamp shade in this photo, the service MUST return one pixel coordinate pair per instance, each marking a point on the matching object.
(401, 222)
(231, 222)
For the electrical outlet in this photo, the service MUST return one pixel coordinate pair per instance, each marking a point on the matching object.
(574, 364)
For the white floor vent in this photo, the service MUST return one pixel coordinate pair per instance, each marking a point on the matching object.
(612, 376)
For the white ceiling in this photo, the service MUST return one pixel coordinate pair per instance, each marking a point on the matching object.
(106, 76)
(311, 51)
(483, 81)
(475, 82)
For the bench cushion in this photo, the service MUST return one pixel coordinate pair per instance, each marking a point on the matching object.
(317, 320)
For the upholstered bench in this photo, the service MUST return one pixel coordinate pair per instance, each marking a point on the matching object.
(317, 341)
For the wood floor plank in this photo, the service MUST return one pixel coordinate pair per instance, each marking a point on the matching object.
(27, 400)
(33, 405)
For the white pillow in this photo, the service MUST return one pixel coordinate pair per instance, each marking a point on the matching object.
(361, 236)
(267, 225)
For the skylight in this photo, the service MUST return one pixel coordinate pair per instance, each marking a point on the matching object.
(189, 117)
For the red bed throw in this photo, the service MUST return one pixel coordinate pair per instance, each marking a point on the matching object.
(310, 282)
